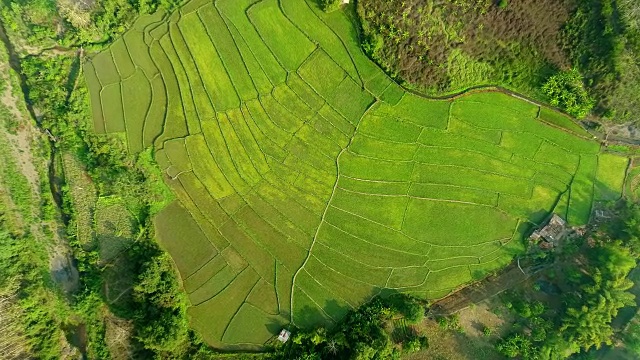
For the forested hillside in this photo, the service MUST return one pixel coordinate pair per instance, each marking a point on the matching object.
(546, 49)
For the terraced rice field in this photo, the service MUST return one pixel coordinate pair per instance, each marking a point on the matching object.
(309, 182)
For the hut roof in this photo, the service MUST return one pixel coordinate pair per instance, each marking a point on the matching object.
(554, 229)
(284, 335)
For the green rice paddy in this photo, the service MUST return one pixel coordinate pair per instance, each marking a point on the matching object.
(308, 181)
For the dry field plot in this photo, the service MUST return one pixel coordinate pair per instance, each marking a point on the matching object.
(309, 182)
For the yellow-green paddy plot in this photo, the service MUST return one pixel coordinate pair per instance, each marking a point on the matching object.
(308, 181)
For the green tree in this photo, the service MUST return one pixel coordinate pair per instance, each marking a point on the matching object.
(566, 90)
(631, 337)
(160, 318)
(329, 5)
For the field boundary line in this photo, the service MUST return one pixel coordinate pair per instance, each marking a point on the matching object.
(254, 140)
(404, 119)
(374, 244)
(200, 268)
(242, 225)
(219, 53)
(364, 264)
(182, 39)
(95, 73)
(376, 181)
(316, 304)
(217, 162)
(402, 233)
(360, 80)
(529, 133)
(115, 64)
(177, 177)
(347, 136)
(283, 218)
(283, 215)
(275, 284)
(237, 187)
(288, 110)
(249, 303)
(442, 165)
(294, 74)
(315, 236)
(380, 224)
(417, 198)
(345, 275)
(181, 90)
(154, 95)
(255, 129)
(371, 136)
(291, 185)
(192, 203)
(264, 108)
(424, 281)
(324, 213)
(146, 111)
(166, 89)
(375, 100)
(239, 150)
(183, 13)
(235, 276)
(247, 12)
(228, 21)
(473, 245)
(302, 100)
(166, 105)
(328, 289)
(173, 33)
(268, 137)
(189, 293)
(244, 301)
(235, 44)
(497, 105)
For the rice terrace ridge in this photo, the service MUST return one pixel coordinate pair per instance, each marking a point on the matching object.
(308, 181)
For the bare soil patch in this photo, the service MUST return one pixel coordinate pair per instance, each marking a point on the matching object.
(470, 343)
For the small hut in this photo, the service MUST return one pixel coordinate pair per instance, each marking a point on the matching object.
(284, 335)
(551, 233)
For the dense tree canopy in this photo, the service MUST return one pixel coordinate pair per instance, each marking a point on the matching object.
(566, 90)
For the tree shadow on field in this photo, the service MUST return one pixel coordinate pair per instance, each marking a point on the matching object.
(312, 317)
(275, 324)
(316, 3)
(333, 310)
(538, 217)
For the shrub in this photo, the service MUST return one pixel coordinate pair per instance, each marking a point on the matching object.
(487, 331)
(566, 90)
(451, 322)
(411, 346)
(329, 5)
(409, 307)
(415, 343)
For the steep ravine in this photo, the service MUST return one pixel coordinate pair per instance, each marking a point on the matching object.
(62, 264)
(15, 63)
